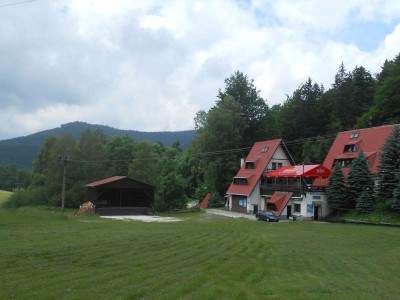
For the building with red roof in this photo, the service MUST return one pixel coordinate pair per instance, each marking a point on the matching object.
(347, 144)
(121, 195)
(293, 195)
(244, 192)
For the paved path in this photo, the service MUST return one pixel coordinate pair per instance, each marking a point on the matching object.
(230, 214)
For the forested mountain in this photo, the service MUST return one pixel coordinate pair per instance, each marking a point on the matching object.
(21, 151)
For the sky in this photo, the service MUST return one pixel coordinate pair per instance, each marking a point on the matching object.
(151, 65)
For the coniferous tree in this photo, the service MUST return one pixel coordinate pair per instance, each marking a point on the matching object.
(396, 193)
(359, 179)
(389, 164)
(386, 108)
(365, 202)
(337, 191)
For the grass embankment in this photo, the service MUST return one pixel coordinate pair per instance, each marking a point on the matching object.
(374, 217)
(46, 256)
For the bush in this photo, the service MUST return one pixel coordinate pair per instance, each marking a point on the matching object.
(215, 200)
(24, 197)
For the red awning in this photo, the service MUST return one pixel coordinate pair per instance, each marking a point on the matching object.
(304, 171)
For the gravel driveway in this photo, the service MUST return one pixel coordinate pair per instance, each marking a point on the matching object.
(230, 214)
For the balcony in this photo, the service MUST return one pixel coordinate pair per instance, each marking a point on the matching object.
(296, 189)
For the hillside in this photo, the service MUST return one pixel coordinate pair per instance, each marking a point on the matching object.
(22, 150)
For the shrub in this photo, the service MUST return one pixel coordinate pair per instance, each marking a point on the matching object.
(215, 200)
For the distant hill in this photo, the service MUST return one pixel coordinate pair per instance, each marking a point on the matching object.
(22, 150)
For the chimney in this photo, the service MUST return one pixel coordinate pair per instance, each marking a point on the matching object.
(241, 162)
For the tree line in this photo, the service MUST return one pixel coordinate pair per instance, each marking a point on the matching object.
(308, 121)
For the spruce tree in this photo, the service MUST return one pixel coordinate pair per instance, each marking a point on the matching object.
(365, 202)
(359, 179)
(389, 164)
(337, 191)
(396, 192)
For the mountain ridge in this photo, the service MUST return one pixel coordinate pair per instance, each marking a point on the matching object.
(21, 151)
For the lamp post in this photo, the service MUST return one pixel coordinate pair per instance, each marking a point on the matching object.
(65, 159)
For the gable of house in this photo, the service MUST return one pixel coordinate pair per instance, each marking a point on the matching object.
(262, 156)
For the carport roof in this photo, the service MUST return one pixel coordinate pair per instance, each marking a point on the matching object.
(106, 180)
(116, 179)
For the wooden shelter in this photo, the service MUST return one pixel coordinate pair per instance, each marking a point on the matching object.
(121, 195)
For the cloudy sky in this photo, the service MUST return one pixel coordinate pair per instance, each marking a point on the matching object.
(151, 65)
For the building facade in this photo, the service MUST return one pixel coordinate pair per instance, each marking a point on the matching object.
(244, 194)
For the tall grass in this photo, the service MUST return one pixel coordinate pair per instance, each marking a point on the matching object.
(46, 256)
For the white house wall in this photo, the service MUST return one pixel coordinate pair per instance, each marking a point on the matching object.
(279, 157)
(307, 204)
(254, 199)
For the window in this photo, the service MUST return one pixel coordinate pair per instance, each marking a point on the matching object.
(279, 165)
(240, 181)
(316, 197)
(354, 135)
(297, 208)
(274, 166)
(250, 165)
(350, 148)
(265, 149)
(243, 203)
(344, 162)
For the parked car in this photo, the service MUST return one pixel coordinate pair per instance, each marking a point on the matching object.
(266, 215)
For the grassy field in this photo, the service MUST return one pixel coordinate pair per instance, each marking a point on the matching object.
(46, 256)
(4, 196)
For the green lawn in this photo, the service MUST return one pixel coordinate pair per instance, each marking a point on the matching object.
(4, 196)
(46, 256)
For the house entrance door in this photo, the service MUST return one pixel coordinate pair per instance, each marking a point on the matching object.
(289, 211)
(316, 213)
(255, 209)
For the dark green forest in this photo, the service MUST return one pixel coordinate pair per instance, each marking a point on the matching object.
(307, 121)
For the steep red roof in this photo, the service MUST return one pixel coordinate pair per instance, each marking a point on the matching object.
(260, 154)
(369, 140)
(206, 200)
(304, 171)
(280, 200)
(104, 181)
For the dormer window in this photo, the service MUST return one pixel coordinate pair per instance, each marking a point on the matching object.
(240, 181)
(265, 149)
(354, 135)
(350, 148)
(250, 165)
(344, 163)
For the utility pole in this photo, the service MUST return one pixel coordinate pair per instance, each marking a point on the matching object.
(65, 159)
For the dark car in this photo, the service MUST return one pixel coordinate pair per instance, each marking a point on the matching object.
(265, 215)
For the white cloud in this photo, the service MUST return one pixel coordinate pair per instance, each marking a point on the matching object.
(150, 65)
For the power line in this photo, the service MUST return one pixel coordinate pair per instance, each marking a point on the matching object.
(16, 3)
(223, 151)
(216, 152)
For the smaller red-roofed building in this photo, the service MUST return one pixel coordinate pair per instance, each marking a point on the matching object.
(305, 201)
(121, 195)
